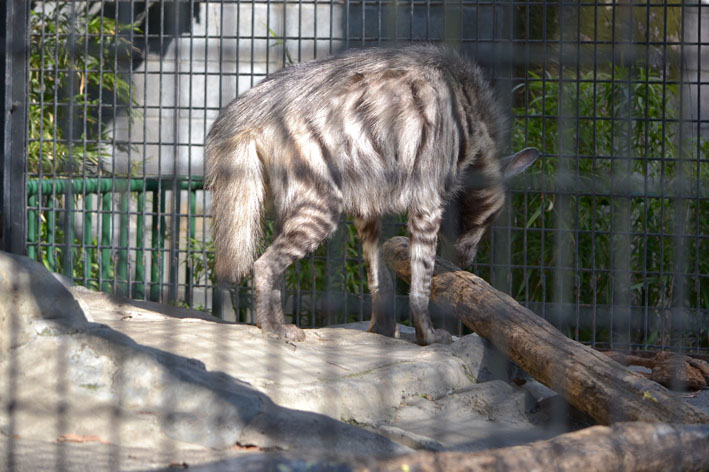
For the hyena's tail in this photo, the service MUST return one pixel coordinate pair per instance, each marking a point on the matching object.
(235, 176)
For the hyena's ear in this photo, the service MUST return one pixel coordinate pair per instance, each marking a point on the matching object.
(518, 162)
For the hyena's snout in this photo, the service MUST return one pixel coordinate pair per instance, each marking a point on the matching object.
(481, 202)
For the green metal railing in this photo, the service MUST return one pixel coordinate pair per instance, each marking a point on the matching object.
(45, 198)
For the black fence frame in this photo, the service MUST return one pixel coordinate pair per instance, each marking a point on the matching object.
(13, 68)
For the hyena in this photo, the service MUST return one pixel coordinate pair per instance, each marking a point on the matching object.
(369, 133)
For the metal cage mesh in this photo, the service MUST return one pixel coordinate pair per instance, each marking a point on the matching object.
(606, 237)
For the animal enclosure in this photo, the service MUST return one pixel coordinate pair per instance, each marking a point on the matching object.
(607, 236)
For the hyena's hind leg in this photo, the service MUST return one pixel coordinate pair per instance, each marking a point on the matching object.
(423, 229)
(301, 232)
(383, 319)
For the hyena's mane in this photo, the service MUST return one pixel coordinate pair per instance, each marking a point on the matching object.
(480, 194)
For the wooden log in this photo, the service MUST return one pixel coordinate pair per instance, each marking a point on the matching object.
(674, 371)
(588, 379)
(628, 447)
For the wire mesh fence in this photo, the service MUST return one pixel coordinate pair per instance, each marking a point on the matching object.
(107, 106)
(606, 237)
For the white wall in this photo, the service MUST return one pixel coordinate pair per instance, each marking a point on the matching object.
(180, 91)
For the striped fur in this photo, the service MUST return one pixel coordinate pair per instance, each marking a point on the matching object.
(367, 133)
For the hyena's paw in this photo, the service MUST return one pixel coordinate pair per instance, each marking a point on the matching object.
(440, 336)
(286, 331)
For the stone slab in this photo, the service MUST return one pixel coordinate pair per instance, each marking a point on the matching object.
(93, 372)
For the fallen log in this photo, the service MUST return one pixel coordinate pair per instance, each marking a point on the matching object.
(588, 379)
(674, 371)
(628, 447)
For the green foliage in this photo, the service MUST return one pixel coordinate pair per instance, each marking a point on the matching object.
(74, 65)
(82, 72)
(85, 267)
(202, 261)
(607, 126)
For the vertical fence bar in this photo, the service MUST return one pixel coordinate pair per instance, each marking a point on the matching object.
(139, 280)
(161, 234)
(158, 242)
(174, 265)
(43, 74)
(122, 264)
(112, 63)
(68, 259)
(189, 286)
(14, 71)
(103, 252)
(130, 112)
(189, 283)
(140, 262)
(155, 248)
(55, 132)
(13, 122)
(159, 200)
(621, 168)
(32, 236)
(546, 84)
(51, 234)
(702, 10)
(663, 174)
(88, 224)
(577, 175)
(83, 250)
(594, 166)
(106, 240)
(68, 256)
(221, 300)
(679, 308)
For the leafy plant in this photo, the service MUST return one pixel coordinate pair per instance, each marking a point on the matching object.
(595, 128)
(74, 65)
(85, 266)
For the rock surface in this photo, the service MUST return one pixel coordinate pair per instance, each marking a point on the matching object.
(65, 379)
(32, 302)
(138, 386)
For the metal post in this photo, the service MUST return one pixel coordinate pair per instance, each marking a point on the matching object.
(14, 51)
(139, 283)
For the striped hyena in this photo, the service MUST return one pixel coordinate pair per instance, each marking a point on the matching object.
(367, 133)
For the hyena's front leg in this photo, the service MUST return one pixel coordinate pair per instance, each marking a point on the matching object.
(302, 232)
(383, 319)
(276, 295)
(423, 229)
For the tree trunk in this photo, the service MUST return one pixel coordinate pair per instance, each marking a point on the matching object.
(624, 446)
(588, 379)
